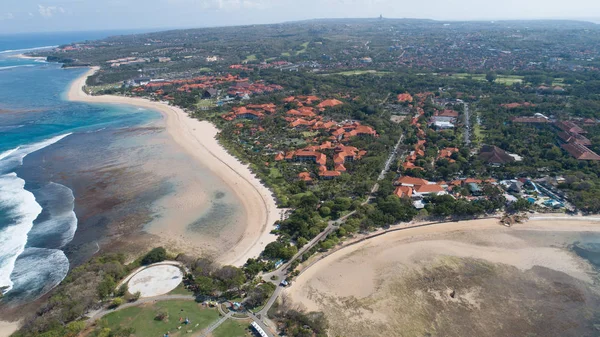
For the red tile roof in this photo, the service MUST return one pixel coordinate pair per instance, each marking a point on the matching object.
(406, 180)
(516, 105)
(447, 153)
(580, 152)
(447, 113)
(433, 188)
(330, 174)
(411, 166)
(569, 126)
(319, 158)
(304, 176)
(403, 191)
(406, 97)
(329, 103)
(340, 168)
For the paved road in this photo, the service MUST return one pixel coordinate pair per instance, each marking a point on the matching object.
(262, 324)
(467, 125)
(388, 163)
(280, 274)
(215, 325)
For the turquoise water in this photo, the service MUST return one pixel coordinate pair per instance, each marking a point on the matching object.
(37, 214)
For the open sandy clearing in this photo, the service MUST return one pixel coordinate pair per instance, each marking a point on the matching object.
(154, 281)
(503, 281)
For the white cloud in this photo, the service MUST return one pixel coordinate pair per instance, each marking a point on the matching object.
(225, 4)
(49, 11)
(6, 16)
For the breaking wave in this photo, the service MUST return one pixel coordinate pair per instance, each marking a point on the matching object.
(50, 221)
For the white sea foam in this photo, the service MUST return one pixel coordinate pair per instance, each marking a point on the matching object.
(25, 50)
(6, 128)
(20, 207)
(14, 158)
(37, 271)
(19, 66)
(59, 222)
(8, 153)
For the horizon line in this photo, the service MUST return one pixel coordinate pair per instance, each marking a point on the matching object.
(595, 21)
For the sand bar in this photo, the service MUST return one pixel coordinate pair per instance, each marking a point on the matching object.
(198, 139)
(354, 270)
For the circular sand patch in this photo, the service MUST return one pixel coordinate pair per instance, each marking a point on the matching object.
(157, 280)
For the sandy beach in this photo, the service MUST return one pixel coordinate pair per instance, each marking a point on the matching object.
(7, 328)
(198, 140)
(361, 279)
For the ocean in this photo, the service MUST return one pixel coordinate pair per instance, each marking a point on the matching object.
(78, 178)
(37, 218)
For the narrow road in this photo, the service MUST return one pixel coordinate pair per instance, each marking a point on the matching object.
(280, 274)
(262, 324)
(215, 325)
(388, 163)
(467, 125)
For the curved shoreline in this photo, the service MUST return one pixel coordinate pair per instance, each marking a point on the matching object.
(197, 138)
(408, 238)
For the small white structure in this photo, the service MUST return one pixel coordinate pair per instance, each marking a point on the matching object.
(516, 157)
(259, 330)
(155, 280)
(443, 125)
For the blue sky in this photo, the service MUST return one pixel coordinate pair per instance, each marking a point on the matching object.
(77, 15)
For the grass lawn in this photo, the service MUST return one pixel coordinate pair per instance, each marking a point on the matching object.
(231, 328)
(502, 79)
(286, 54)
(360, 72)
(509, 79)
(309, 134)
(477, 133)
(303, 50)
(206, 103)
(205, 70)
(98, 88)
(180, 290)
(142, 318)
(250, 58)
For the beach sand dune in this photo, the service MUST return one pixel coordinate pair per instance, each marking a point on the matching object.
(472, 278)
(198, 140)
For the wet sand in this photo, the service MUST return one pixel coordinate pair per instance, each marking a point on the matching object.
(364, 282)
(198, 140)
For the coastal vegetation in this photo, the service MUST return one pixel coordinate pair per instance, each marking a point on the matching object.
(85, 288)
(473, 121)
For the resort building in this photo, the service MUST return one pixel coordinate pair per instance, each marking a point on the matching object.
(580, 152)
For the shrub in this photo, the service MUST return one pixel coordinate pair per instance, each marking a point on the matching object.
(116, 302)
(122, 291)
(157, 254)
(133, 297)
(162, 316)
